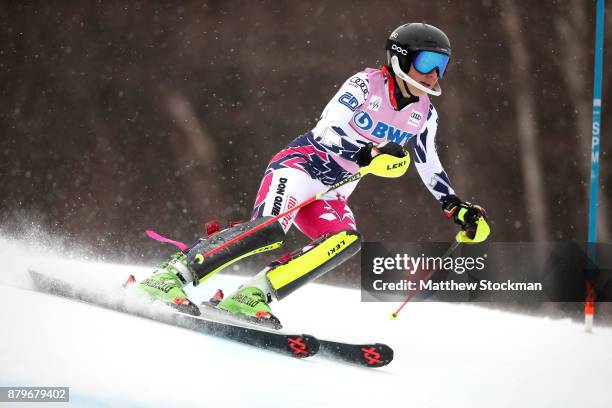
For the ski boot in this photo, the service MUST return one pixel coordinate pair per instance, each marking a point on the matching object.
(247, 304)
(166, 284)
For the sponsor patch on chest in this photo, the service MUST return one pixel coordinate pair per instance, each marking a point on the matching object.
(378, 131)
(415, 118)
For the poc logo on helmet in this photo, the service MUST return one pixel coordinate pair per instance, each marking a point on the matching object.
(399, 49)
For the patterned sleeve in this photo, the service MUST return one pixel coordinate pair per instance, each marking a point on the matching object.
(426, 160)
(332, 129)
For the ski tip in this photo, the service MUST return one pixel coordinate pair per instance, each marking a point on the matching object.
(303, 345)
(376, 355)
(185, 305)
(39, 278)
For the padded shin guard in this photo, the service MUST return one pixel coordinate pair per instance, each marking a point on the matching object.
(270, 237)
(312, 261)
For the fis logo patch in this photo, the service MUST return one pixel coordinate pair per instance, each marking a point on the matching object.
(374, 103)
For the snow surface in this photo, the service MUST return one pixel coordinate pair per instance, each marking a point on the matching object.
(445, 354)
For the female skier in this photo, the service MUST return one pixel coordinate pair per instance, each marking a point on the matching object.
(376, 111)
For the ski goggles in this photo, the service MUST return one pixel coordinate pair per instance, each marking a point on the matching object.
(426, 61)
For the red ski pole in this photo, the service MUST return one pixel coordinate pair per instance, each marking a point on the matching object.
(482, 232)
(383, 165)
(448, 252)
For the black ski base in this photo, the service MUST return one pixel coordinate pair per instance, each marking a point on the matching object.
(367, 355)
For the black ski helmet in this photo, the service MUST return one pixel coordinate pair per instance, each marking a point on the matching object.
(406, 40)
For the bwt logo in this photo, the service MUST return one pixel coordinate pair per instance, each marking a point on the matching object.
(363, 120)
(382, 130)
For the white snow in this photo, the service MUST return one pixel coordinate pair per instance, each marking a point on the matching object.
(446, 355)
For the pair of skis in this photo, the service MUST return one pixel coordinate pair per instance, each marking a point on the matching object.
(295, 345)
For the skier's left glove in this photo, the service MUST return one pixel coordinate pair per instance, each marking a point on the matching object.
(472, 219)
(365, 155)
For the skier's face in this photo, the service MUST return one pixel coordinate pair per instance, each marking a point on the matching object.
(428, 80)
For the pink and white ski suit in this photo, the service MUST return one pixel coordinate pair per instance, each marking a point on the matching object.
(361, 111)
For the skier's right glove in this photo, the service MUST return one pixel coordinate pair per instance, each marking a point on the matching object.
(472, 218)
(365, 155)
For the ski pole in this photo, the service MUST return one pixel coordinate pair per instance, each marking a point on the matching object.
(383, 165)
(482, 228)
(446, 254)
